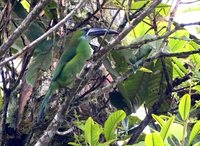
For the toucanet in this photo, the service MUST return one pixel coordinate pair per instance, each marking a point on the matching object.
(73, 59)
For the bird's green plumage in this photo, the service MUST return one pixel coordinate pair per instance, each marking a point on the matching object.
(77, 52)
(77, 49)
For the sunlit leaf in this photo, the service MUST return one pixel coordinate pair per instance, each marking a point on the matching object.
(194, 132)
(184, 106)
(160, 121)
(166, 127)
(111, 123)
(26, 5)
(154, 139)
(143, 69)
(92, 132)
(176, 130)
(74, 144)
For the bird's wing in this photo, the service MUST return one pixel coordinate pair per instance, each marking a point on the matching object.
(66, 57)
(69, 53)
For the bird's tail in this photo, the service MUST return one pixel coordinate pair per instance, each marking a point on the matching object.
(45, 102)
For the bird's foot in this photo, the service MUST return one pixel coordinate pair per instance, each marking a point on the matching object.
(78, 77)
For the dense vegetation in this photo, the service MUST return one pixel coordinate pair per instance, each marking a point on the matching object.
(153, 63)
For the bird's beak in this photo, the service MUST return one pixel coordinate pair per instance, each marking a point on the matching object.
(95, 32)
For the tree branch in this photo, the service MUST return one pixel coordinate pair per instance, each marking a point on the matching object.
(41, 38)
(134, 23)
(53, 126)
(23, 26)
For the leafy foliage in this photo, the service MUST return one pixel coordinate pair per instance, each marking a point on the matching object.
(92, 130)
(152, 66)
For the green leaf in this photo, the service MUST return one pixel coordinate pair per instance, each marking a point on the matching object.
(42, 52)
(166, 127)
(154, 139)
(179, 40)
(177, 72)
(92, 132)
(50, 10)
(40, 61)
(74, 144)
(141, 53)
(184, 106)
(163, 9)
(195, 131)
(121, 65)
(138, 5)
(180, 65)
(176, 130)
(160, 121)
(111, 124)
(26, 5)
(194, 57)
(145, 87)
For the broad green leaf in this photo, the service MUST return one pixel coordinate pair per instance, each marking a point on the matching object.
(184, 106)
(40, 61)
(141, 53)
(155, 88)
(42, 52)
(176, 130)
(92, 132)
(194, 132)
(166, 127)
(140, 30)
(134, 89)
(121, 65)
(145, 87)
(111, 123)
(179, 70)
(160, 121)
(154, 139)
(179, 40)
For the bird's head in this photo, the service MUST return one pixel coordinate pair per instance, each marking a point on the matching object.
(91, 33)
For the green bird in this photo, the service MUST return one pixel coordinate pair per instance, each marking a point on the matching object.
(75, 55)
